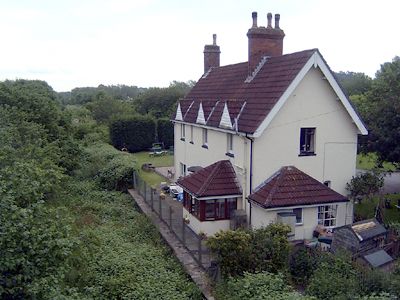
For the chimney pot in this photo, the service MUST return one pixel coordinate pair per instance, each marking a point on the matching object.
(269, 17)
(211, 55)
(214, 39)
(277, 17)
(254, 16)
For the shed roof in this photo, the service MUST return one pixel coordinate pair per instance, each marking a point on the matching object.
(378, 258)
(218, 179)
(292, 187)
(367, 229)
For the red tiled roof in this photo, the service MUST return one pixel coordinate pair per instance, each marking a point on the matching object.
(218, 179)
(227, 84)
(292, 187)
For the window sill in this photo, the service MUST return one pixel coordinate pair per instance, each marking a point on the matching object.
(191, 142)
(307, 154)
(299, 224)
(182, 139)
(230, 154)
(205, 146)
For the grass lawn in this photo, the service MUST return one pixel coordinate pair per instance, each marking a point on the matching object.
(158, 161)
(368, 162)
(366, 209)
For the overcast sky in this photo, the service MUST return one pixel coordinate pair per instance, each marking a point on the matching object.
(75, 43)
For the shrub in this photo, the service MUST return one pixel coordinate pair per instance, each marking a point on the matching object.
(135, 134)
(302, 264)
(262, 285)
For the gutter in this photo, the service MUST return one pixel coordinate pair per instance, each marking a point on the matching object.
(251, 174)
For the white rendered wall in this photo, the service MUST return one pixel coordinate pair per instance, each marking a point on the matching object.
(207, 227)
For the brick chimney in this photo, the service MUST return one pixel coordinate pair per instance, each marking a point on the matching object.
(264, 41)
(211, 55)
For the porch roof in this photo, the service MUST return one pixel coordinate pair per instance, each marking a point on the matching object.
(217, 180)
(292, 187)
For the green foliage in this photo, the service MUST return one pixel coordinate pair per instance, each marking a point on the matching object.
(165, 132)
(384, 118)
(262, 285)
(302, 264)
(264, 249)
(35, 244)
(135, 134)
(334, 278)
(161, 102)
(111, 168)
(365, 184)
(355, 83)
(104, 108)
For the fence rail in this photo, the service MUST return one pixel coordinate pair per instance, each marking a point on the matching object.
(170, 212)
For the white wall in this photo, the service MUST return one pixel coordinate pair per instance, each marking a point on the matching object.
(262, 217)
(207, 227)
(312, 104)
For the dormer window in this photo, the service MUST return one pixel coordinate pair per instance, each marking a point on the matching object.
(307, 141)
(183, 132)
(205, 138)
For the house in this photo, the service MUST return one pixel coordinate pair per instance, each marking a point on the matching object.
(273, 139)
(365, 240)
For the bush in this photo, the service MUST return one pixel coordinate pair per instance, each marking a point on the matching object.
(256, 286)
(302, 264)
(264, 249)
(135, 134)
(165, 132)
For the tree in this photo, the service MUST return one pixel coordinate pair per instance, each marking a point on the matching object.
(365, 184)
(354, 83)
(384, 117)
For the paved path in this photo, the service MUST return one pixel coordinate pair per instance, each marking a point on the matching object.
(196, 272)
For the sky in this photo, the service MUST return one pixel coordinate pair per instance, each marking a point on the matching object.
(77, 43)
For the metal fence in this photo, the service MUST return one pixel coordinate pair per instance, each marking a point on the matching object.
(170, 212)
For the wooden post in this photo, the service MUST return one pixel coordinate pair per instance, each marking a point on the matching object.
(199, 239)
(152, 198)
(134, 180)
(159, 205)
(170, 217)
(144, 188)
(183, 232)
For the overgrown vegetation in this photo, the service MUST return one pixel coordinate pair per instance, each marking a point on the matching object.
(66, 229)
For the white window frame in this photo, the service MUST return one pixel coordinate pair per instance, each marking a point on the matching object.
(327, 215)
(302, 217)
(191, 134)
(182, 169)
(205, 137)
(308, 145)
(183, 132)
(229, 143)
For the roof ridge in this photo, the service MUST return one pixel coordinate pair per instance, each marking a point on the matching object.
(210, 177)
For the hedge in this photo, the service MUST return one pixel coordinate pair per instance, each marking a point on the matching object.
(135, 134)
(165, 132)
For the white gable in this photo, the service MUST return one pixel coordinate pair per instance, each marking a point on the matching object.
(315, 61)
(179, 116)
(225, 119)
(200, 116)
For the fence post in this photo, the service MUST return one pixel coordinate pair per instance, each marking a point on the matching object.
(199, 239)
(144, 188)
(159, 205)
(183, 232)
(170, 217)
(134, 179)
(152, 199)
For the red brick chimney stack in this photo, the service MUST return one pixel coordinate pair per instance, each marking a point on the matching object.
(211, 55)
(264, 41)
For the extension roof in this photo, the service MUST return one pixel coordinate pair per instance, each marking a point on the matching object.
(292, 187)
(252, 101)
(216, 180)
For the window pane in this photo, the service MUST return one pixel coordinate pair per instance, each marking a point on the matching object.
(220, 208)
(210, 210)
(299, 215)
